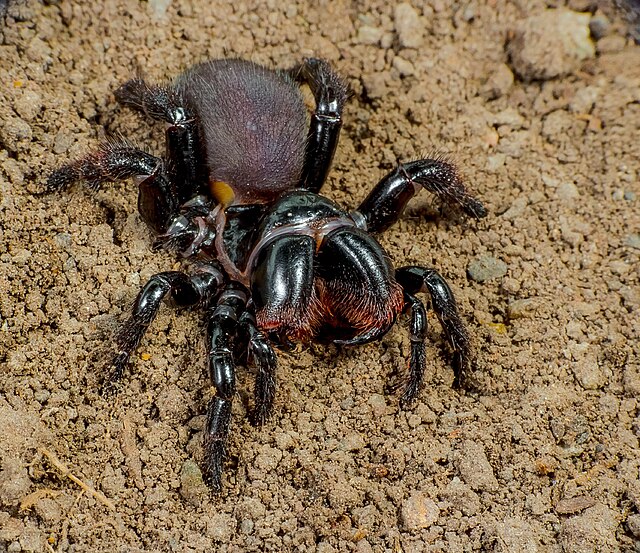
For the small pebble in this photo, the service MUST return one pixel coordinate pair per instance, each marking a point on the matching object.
(352, 442)
(63, 240)
(567, 191)
(363, 546)
(268, 458)
(14, 171)
(402, 66)
(347, 403)
(574, 505)
(611, 44)
(509, 117)
(192, 486)
(633, 241)
(41, 396)
(375, 84)
(631, 380)
(31, 541)
(221, 527)
(48, 510)
(62, 142)
(486, 268)
(550, 44)
(474, 467)
(369, 35)
(584, 99)
(14, 481)
(495, 162)
(516, 209)
(419, 512)
(498, 83)
(159, 7)
(246, 526)
(588, 374)
(593, 529)
(378, 405)
(172, 404)
(517, 535)
(28, 105)
(325, 547)
(599, 26)
(408, 26)
(15, 131)
(524, 308)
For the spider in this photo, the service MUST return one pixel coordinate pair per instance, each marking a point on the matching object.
(276, 262)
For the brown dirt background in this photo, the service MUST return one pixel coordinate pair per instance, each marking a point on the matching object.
(542, 456)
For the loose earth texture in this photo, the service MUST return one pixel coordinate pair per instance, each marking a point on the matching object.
(542, 455)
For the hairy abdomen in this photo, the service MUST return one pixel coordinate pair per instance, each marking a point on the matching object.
(253, 121)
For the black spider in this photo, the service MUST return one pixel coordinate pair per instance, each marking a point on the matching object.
(278, 263)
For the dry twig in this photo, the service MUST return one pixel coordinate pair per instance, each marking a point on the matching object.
(64, 470)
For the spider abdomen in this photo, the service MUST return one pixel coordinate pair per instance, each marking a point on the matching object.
(253, 123)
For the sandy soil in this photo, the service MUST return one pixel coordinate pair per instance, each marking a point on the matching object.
(541, 455)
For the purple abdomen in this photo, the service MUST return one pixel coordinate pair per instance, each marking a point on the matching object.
(254, 126)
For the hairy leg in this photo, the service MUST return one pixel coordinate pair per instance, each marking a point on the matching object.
(222, 331)
(262, 356)
(117, 160)
(386, 202)
(419, 279)
(330, 93)
(417, 362)
(183, 289)
(163, 103)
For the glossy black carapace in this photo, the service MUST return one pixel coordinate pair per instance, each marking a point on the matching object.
(274, 262)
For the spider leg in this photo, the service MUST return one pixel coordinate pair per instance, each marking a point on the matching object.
(164, 103)
(116, 160)
(330, 93)
(222, 330)
(420, 279)
(264, 358)
(185, 290)
(417, 335)
(386, 202)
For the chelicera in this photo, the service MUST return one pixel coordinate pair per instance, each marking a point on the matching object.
(276, 262)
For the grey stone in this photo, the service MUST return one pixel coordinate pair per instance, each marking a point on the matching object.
(550, 44)
(408, 26)
(419, 512)
(486, 268)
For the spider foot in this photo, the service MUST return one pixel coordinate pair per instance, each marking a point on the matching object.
(111, 383)
(212, 465)
(216, 433)
(416, 373)
(259, 414)
(461, 369)
(265, 387)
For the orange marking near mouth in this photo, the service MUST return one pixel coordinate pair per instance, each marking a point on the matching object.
(222, 192)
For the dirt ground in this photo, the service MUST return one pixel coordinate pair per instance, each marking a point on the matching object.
(540, 454)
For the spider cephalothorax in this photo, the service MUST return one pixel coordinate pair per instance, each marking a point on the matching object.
(276, 262)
